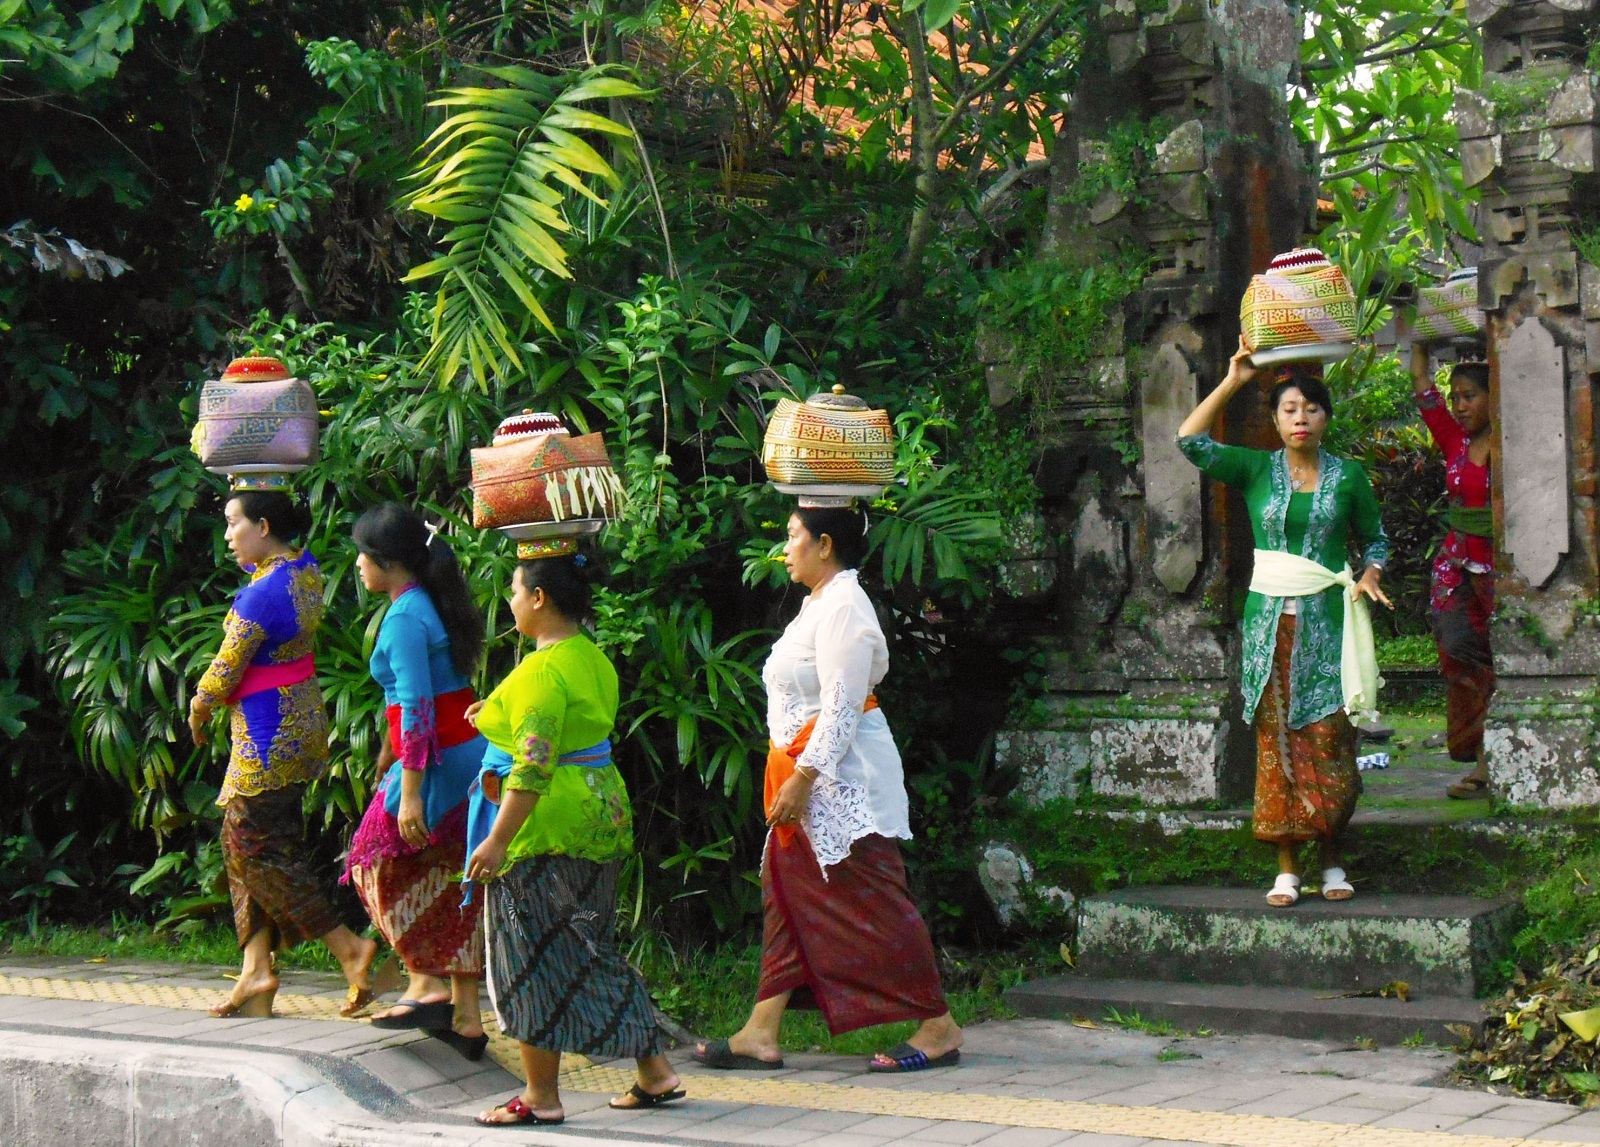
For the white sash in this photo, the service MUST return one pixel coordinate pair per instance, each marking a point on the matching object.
(1278, 574)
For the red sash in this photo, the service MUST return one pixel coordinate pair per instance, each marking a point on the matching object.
(780, 767)
(450, 720)
(260, 678)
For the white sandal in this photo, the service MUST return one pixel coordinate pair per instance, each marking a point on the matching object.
(1335, 886)
(1285, 890)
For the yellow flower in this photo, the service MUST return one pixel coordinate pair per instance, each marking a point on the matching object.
(244, 203)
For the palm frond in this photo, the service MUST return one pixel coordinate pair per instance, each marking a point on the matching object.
(499, 169)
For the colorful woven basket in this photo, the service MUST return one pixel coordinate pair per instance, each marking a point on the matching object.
(1300, 310)
(830, 445)
(1449, 310)
(540, 481)
(256, 420)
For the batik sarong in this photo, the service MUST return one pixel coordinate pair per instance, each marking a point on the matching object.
(1306, 778)
(557, 979)
(414, 899)
(853, 946)
(1461, 631)
(264, 852)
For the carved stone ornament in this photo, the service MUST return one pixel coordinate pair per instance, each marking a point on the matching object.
(1533, 450)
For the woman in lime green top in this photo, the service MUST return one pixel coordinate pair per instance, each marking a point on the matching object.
(1315, 506)
(557, 980)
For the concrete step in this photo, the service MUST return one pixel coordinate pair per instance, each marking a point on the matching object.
(1440, 945)
(1302, 1013)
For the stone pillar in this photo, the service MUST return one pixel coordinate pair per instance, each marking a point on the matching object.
(1529, 143)
(1144, 685)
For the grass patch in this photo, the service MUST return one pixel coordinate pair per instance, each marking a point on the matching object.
(710, 993)
(133, 940)
(1412, 651)
(1174, 1054)
(1134, 1022)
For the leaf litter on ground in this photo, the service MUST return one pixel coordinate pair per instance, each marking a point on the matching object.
(1540, 1040)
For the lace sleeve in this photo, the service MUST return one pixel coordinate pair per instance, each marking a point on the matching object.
(406, 643)
(844, 670)
(241, 638)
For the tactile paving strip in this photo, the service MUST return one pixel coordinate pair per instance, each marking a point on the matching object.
(1211, 1127)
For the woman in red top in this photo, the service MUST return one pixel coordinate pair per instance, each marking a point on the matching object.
(1463, 572)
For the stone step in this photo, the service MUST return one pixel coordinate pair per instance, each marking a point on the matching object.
(1440, 945)
(1301, 1013)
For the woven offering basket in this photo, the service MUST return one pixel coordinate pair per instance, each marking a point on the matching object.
(831, 444)
(256, 419)
(1300, 310)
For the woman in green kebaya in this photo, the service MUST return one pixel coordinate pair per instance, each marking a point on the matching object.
(1306, 639)
(563, 827)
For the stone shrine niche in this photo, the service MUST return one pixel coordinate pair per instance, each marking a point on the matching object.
(1533, 450)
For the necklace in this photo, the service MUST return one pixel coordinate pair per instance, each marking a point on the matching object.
(1301, 476)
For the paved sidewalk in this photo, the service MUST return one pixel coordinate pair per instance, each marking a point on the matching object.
(1029, 1083)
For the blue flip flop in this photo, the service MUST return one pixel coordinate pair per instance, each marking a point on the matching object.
(907, 1058)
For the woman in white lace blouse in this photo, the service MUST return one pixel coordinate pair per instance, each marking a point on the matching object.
(841, 931)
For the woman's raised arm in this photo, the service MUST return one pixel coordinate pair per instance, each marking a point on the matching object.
(1203, 417)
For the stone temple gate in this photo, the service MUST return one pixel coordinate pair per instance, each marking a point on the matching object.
(1149, 561)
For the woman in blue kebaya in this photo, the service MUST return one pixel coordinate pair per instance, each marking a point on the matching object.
(407, 856)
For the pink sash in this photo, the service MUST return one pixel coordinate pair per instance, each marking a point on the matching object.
(260, 678)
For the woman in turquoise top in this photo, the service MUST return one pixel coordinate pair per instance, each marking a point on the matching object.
(1303, 501)
(406, 857)
(557, 979)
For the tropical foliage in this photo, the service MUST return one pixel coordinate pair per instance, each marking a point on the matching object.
(652, 219)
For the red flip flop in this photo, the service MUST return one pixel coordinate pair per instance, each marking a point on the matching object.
(521, 1113)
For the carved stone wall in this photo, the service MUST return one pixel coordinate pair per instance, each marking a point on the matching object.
(1530, 143)
(1144, 697)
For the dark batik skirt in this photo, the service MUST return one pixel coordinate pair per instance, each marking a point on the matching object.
(271, 884)
(854, 945)
(557, 979)
(1306, 778)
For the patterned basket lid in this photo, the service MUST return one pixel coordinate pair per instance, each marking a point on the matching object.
(256, 368)
(527, 424)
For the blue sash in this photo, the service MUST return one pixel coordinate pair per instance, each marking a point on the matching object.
(481, 810)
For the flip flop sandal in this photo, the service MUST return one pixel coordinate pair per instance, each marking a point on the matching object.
(425, 1017)
(471, 1047)
(1335, 886)
(1287, 890)
(718, 1054)
(907, 1058)
(355, 1000)
(1468, 789)
(521, 1113)
(644, 1099)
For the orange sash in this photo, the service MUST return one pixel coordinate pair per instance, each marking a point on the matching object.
(780, 767)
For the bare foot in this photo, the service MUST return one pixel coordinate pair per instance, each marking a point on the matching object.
(244, 991)
(357, 965)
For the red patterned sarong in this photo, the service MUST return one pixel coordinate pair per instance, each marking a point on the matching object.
(1306, 778)
(853, 946)
(415, 901)
(1461, 630)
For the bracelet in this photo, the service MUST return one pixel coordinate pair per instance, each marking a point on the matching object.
(807, 772)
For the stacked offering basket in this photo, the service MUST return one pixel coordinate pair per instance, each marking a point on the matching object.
(257, 424)
(544, 488)
(829, 449)
(1449, 310)
(1300, 310)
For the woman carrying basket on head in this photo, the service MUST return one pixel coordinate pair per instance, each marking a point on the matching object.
(1462, 596)
(1306, 639)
